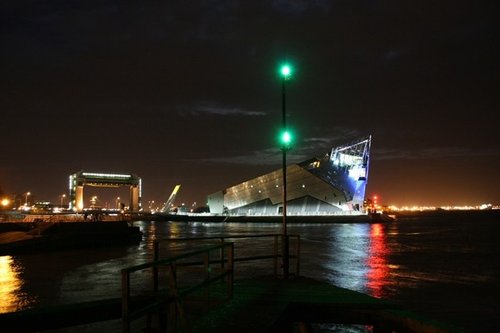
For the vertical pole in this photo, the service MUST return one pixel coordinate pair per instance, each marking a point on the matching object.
(156, 254)
(276, 253)
(284, 252)
(222, 254)
(125, 301)
(230, 261)
(297, 272)
(206, 265)
(173, 298)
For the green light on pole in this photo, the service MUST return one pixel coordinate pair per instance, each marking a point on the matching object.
(286, 71)
(286, 138)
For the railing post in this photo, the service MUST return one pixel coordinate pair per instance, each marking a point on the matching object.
(172, 299)
(222, 254)
(297, 267)
(275, 255)
(285, 255)
(173, 266)
(172, 316)
(206, 265)
(156, 257)
(230, 262)
(125, 301)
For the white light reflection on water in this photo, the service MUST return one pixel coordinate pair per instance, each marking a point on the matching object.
(349, 254)
(12, 298)
(358, 258)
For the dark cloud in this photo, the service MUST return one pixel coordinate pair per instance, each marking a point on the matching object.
(299, 7)
(211, 108)
(272, 156)
(266, 157)
(434, 153)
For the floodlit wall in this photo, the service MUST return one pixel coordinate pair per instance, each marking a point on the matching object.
(216, 202)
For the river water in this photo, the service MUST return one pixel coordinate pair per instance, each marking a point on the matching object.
(446, 267)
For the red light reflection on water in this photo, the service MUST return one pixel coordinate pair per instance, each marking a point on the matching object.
(378, 269)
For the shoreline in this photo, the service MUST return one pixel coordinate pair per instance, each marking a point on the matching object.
(303, 219)
(25, 237)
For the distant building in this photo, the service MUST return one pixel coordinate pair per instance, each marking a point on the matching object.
(80, 179)
(332, 184)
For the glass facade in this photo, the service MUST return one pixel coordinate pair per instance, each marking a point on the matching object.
(332, 184)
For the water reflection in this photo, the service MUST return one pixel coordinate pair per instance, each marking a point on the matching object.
(359, 255)
(12, 298)
(378, 272)
(349, 252)
(353, 256)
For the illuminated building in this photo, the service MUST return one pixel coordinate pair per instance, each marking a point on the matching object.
(332, 184)
(79, 180)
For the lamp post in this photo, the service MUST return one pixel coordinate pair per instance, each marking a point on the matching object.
(27, 194)
(62, 199)
(286, 140)
(117, 202)
(5, 202)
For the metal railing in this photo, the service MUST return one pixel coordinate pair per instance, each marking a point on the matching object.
(171, 300)
(233, 238)
(167, 305)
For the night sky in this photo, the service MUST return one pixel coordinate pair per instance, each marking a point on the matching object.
(188, 92)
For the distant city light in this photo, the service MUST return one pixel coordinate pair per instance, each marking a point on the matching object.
(416, 208)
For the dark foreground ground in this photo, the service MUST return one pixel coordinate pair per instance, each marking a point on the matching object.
(264, 304)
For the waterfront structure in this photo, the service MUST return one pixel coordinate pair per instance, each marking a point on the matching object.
(332, 184)
(79, 180)
(168, 205)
